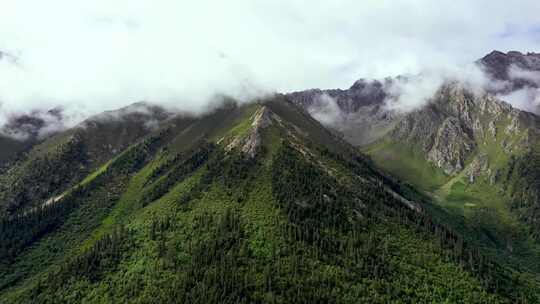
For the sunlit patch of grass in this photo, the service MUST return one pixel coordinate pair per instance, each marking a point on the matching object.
(407, 163)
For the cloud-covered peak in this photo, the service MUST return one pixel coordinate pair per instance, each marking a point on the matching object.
(101, 55)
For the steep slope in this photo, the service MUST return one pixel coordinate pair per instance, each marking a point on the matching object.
(22, 132)
(11, 148)
(251, 203)
(458, 124)
(47, 168)
(474, 154)
(477, 157)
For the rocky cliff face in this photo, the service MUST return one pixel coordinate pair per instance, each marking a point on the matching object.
(250, 142)
(458, 125)
(452, 145)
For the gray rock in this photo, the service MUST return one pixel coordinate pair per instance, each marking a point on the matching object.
(452, 147)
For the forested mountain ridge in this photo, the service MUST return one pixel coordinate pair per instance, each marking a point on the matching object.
(477, 156)
(55, 162)
(471, 152)
(248, 203)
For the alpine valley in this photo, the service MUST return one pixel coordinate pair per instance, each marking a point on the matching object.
(269, 202)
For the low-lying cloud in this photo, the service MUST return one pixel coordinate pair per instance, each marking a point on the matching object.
(515, 72)
(408, 93)
(527, 99)
(326, 110)
(36, 124)
(88, 57)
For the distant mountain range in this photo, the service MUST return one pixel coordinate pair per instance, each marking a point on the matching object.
(473, 153)
(319, 196)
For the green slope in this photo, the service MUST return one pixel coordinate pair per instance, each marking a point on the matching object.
(491, 192)
(187, 215)
(485, 213)
(52, 166)
(407, 163)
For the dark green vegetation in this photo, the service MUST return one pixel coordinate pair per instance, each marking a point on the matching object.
(491, 194)
(61, 161)
(253, 203)
(524, 189)
(10, 149)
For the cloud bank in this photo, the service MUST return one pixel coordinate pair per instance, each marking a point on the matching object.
(326, 110)
(527, 99)
(411, 92)
(530, 76)
(92, 56)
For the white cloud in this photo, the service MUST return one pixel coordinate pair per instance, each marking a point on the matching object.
(413, 92)
(408, 94)
(527, 99)
(326, 110)
(91, 56)
(516, 72)
(45, 123)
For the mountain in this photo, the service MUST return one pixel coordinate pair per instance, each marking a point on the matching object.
(473, 154)
(59, 160)
(247, 203)
(23, 131)
(360, 114)
(506, 67)
(516, 77)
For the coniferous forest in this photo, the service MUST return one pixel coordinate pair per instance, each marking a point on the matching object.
(170, 221)
(273, 152)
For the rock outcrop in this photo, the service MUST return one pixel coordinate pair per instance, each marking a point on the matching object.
(452, 145)
(249, 143)
(478, 166)
(261, 120)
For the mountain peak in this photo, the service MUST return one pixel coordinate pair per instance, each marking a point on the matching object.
(497, 64)
(256, 182)
(370, 84)
(515, 54)
(250, 141)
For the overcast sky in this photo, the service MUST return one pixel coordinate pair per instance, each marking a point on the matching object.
(97, 55)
